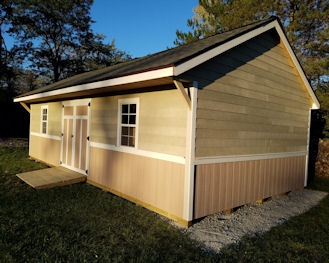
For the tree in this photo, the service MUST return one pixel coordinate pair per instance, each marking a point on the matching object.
(6, 71)
(323, 95)
(5, 14)
(56, 38)
(216, 16)
(306, 23)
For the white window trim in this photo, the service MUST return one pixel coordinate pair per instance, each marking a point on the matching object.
(127, 101)
(41, 120)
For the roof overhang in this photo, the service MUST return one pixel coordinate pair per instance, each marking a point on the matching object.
(158, 77)
(166, 75)
(179, 69)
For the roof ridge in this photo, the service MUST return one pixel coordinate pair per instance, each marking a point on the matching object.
(216, 34)
(171, 56)
(252, 23)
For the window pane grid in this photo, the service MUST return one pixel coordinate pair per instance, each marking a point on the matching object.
(44, 119)
(128, 124)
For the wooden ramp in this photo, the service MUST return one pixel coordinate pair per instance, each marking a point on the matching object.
(51, 177)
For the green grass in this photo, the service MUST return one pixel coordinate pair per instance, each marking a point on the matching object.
(304, 238)
(81, 223)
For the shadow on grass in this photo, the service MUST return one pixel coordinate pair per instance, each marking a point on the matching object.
(81, 223)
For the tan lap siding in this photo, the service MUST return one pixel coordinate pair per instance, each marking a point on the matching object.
(45, 149)
(54, 118)
(227, 185)
(162, 121)
(150, 182)
(35, 118)
(250, 101)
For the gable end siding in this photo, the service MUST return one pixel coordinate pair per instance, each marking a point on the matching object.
(251, 101)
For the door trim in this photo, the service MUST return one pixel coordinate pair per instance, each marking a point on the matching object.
(74, 103)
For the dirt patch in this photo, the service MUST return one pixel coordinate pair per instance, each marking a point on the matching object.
(322, 160)
(14, 142)
(221, 229)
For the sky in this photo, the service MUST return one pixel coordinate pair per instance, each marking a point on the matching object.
(141, 27)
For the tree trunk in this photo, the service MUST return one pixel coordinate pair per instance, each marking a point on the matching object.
(292, 9)
(56, 73)
(1, 49)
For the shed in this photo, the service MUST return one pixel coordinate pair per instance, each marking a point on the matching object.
(187, 132)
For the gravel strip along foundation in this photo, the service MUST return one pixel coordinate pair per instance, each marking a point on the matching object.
(221, 229)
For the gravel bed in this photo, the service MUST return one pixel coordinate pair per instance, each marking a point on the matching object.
(221, 229)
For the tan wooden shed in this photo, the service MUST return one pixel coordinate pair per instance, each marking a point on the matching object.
(186, 132)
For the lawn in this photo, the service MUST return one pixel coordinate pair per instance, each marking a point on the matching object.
(81, 223)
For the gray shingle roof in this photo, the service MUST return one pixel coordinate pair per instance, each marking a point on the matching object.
(168, 57)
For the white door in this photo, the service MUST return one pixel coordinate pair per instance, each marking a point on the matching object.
(75, 138)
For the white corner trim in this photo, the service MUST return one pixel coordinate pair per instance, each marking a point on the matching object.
(190, 155)
(251, 157)
(155, 155)
(316, 104)
(54, 137)
(148, 75)
(221, 49)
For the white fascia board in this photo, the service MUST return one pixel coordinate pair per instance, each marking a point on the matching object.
(178, 70)
(221, 49)
(239, 40)
(148, 75)
(316, 104)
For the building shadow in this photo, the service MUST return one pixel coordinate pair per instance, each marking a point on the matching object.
(317, 125)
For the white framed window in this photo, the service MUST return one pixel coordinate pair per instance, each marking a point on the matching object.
(44, 120)
(128, 122)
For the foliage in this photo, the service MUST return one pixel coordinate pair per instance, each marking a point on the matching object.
(306, 24)
(57, 38)
(7, 71)
(81, 223)
(54, 40)
(322, 160)
(323, 95)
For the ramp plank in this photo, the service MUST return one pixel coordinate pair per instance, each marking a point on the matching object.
(51, 177)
